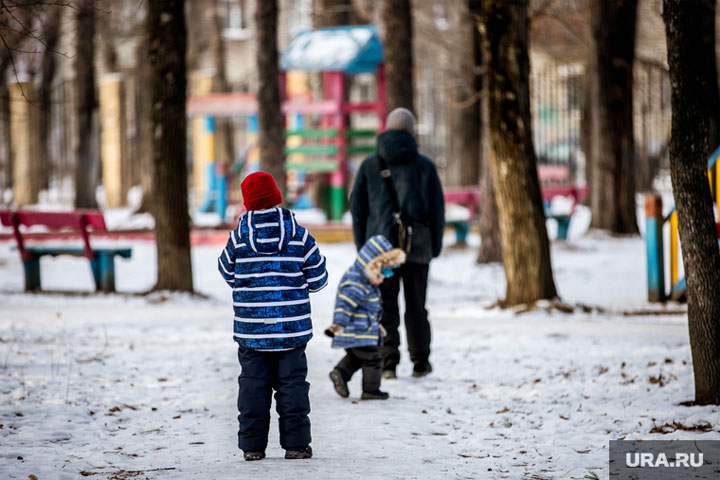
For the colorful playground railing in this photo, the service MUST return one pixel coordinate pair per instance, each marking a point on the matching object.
(655, 221)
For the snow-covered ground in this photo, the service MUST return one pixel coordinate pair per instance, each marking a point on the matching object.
(128, 386)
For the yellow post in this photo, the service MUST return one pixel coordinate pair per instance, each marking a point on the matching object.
(201, 84)
(113, 146)
(673, 249)
(717, 190)
(22, 145)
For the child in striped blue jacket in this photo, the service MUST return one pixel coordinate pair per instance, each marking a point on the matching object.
(356, 319)
(272, 264)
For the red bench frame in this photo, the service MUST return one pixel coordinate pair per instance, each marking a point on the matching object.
(80, 221)
(554, 181)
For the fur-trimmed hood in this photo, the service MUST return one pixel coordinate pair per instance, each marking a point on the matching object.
(390, 259)
(376, 255)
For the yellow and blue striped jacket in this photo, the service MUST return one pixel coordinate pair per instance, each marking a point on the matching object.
(358, 305)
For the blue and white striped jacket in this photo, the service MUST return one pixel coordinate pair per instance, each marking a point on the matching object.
(272, 264)
(358, 305)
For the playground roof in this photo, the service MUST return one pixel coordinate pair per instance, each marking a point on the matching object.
(352, 50)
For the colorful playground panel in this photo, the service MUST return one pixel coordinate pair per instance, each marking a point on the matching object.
(336, 53)
(655, 244)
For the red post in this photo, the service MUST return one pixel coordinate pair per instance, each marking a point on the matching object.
(334, 86)
(83, 224)
(15, 219)
(381, 95)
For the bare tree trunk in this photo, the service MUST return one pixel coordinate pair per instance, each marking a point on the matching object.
(612, 192)
(5, 155)
(332, 13)
(86, 161)
(51, 34)
(270, 118)
(143, 125)
(165, 27)
(463, 101)
(13, 38)
(587, 122)
(525, 245)
(491, 246)
(397, 24)
(198, 40)
(689, 54)
(223, 126)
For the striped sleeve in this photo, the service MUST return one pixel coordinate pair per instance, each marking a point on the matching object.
(349, 297)
(314, 265)
(226, 260)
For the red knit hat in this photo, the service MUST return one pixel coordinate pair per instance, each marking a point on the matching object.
(259, 191)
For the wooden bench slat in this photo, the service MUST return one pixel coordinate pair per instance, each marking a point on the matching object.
(41, 251)
(54, 220)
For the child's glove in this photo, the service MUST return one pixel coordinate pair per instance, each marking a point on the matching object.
(334, 329)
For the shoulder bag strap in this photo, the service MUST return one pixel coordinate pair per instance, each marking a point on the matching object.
(387, 180)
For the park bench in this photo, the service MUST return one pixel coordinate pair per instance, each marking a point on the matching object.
(468, 197)
(102, 260)
(554, 182)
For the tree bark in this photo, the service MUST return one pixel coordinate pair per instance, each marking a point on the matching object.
(167, 37)
(223, 126)
(51, 34)
(689, 56)
(86, 158)
(525, 245)
(143, 126)
(463, 101)
(612, 192)
(198, 40)
(5, 151)
(271, 121)
(13, 38)
(491, 246)
(332, 13)
(396, 18)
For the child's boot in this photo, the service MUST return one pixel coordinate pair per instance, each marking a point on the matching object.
(376, 395)
(339, 383)
(252, 456)
(305, 452)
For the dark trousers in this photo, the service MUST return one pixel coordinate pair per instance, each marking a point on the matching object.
(261, 373)
(367, 358)
(414, 277)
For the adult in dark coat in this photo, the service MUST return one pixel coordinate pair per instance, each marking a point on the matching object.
(420, 198)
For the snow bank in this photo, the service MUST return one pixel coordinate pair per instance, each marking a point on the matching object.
(123, 385)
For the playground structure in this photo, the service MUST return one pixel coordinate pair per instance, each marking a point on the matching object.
(655, 222)
(320, 139)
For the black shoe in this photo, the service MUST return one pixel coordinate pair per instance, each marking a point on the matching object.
(339, 383)
(421, 369)
(305, 452)
(389, 374)
(376, 395)
(252, 456)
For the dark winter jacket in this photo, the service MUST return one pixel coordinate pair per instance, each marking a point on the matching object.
(272, 264)
(417, 185)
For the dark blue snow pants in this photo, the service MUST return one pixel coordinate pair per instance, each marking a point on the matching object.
(261, 373)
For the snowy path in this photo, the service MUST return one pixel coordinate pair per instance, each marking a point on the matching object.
(113, 385)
